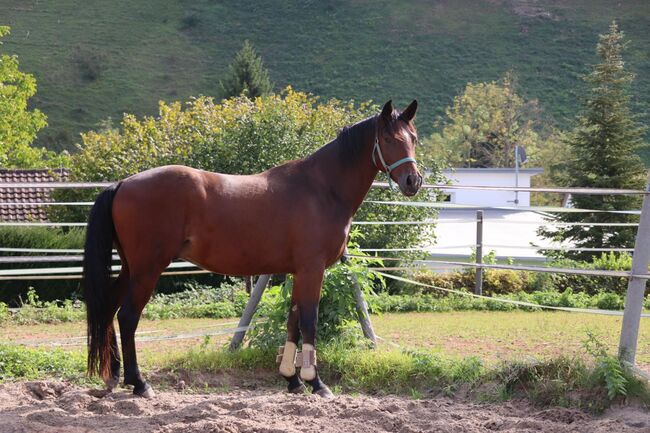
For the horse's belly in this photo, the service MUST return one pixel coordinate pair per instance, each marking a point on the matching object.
(254, 249)
(229, 254)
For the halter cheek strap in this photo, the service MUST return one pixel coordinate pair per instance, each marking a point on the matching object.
(388, 168)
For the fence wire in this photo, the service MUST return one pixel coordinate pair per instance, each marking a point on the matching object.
(506, 301)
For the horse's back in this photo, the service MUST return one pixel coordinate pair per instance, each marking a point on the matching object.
(226, 223)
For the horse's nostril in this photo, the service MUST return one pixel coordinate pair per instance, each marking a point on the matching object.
(409, 180)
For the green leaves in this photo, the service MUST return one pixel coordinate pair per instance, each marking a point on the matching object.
(337, 315)
(484, 124)
(238, 136)
(18, 124)
(608, 368)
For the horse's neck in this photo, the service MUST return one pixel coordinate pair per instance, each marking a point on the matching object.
(349, 182)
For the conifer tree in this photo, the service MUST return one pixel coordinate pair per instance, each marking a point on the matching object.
(246, 75)
(604, 147)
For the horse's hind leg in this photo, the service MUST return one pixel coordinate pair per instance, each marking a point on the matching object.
(120, 287)
(139, 292)
(287, 365)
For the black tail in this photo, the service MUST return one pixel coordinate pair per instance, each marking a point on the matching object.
(97, 282)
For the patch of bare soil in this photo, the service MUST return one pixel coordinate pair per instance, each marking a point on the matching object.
(61, 407)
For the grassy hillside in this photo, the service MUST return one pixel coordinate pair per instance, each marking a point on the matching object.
(94, 59)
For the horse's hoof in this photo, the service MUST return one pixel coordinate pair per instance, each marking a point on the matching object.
(146, 393)
(324, 392)
(111, 383)
(300, 389)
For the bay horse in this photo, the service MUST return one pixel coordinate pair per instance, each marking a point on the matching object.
(291, 219)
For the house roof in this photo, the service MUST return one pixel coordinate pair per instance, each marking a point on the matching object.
(28, 212)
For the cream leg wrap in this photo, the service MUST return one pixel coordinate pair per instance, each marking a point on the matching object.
(287, 365)
(308, 366)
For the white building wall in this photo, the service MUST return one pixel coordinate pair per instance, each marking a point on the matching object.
(509, 233)
(489, 177)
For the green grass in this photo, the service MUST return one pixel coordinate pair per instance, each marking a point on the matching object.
(490, 355)
(506, 335)
(561, 381)
(147, 51)
(492, 336)
(17, 362)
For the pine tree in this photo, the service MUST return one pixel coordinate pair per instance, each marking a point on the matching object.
(604, 154)
(246, 75)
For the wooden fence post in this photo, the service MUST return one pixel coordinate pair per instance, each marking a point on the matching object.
(362, 313)
(249, 311)
(636, 286)
(478, 288)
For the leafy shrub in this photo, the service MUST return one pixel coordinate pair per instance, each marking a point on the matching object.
(20, 124)
(34, 310)
(39, 237)
(500, 281)
(221, 302)
(4, 312)
(505, 281)
(89, 63)
(190, 21)
(238, 136)
(590, 284)
(199, 301)
(18, 362)
(609, 301)
(495, 281)
(337, 314)
(66, 238)
(608, 368)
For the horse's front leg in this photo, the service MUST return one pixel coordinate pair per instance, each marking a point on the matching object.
(288, 354)
(306, 292)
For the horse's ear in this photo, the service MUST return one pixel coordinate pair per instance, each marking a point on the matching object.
(409, 113)
(387, 111)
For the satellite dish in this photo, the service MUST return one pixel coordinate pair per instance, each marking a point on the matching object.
(520, 154)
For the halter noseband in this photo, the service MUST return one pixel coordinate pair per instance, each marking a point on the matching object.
(388, 168)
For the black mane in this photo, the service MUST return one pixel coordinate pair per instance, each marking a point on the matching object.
(352, 139)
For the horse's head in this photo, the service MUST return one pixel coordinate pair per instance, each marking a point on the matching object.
(394, 151)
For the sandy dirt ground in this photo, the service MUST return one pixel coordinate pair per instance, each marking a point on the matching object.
(60, 407)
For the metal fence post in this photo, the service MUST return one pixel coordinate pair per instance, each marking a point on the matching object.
(636, 286)
(249, 311)
(478, 288)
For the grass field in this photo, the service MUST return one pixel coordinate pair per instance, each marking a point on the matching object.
(492, 336)
(96, 59)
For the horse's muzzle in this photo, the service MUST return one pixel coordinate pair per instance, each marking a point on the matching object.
(410, 183)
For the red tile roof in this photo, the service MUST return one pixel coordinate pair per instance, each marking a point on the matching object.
(28, 213)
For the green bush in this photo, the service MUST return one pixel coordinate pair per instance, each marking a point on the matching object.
(238, 136)
(590, 284)
(39, 237)
(495, 281)
(609, 301)
(4, 312)
(338, 317)
(18, 362)
(506, 281)
(13, 291)
(337, 313)
(227, 300)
